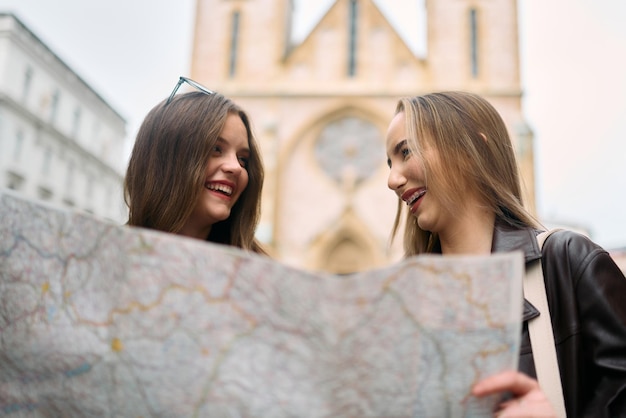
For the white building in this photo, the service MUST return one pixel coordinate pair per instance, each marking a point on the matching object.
(59, 140)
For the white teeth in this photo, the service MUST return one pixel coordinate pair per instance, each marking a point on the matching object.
(227, 190)
(415, 196)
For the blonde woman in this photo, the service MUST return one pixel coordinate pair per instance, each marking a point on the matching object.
(453, 168)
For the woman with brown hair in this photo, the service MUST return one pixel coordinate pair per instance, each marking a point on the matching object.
(452, 165)
(195, 170)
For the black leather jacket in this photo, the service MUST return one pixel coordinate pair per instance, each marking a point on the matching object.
(587, 299)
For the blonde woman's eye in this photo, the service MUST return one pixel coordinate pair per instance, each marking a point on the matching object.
(405, 152)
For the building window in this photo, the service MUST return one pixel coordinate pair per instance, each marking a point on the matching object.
(76, 122)
(44, 193)
(19, 144)
(54, 106)
(89, 182)
(1, 135)
(88, 202)
(348, 150)
(352, 38)
(68, 199)
(47, 161)
(14, 181)
(474, 41)
(69, 177)
(28, 81)
(234, 44)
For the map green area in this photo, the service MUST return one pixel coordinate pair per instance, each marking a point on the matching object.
(102, 320)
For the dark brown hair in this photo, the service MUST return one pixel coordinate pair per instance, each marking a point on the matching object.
(166, 171)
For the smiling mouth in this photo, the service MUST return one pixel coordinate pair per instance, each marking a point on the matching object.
(415, 196)
(220, 188)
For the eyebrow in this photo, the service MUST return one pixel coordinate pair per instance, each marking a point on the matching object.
(221, 140)
(398, 146)
(396, 150)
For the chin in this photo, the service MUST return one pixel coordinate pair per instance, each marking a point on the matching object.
(424, 224)
(220, 216)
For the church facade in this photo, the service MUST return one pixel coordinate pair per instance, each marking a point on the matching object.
(320, 109)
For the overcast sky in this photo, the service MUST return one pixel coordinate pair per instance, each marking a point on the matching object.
(573, 56)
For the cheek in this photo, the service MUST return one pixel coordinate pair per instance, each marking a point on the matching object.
(211, 166)
(415, 169)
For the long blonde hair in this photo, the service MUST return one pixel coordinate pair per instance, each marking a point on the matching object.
(475, 153)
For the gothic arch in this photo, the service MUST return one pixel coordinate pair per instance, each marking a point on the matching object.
(311, 130)
(345, 247)
(306, 135)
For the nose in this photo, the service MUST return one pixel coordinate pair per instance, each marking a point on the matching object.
(396, 179)
(231, 164)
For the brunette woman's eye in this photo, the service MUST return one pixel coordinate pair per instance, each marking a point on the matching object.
(217, 149)
(243, 161)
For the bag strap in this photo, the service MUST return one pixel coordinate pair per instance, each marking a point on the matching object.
(541, 335)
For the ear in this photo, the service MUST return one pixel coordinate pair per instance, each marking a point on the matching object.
(483, 135)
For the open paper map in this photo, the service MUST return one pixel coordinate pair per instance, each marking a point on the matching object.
(101, 320)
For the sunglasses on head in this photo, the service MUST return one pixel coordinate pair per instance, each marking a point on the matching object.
(192, 83)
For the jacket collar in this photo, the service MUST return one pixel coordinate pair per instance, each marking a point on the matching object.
(507, 238)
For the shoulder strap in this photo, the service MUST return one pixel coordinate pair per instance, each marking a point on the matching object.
(541, 335)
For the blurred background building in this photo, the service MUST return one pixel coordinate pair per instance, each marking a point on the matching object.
(320, 102)
(59, 140)
(321, 106)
